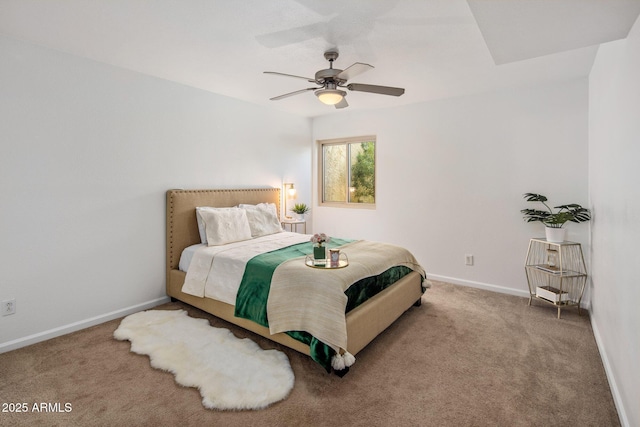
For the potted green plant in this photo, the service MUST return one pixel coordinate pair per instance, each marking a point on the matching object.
(300, 209)
(554, 220)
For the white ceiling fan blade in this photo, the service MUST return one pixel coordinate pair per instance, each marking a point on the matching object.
(354, 70)
(382, 90)
(310, 80)
(286, 95)
(342, 104)
(291, 36)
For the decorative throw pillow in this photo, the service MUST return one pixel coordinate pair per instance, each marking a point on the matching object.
(201, 225)
(263, 219)
(225, 225)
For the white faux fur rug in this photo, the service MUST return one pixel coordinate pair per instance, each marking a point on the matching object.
(231, 373)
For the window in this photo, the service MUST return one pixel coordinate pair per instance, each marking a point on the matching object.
(348, 172)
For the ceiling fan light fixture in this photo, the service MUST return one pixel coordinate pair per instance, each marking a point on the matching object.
(330, 96)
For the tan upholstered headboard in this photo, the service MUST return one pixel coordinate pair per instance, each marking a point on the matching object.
(182, 228)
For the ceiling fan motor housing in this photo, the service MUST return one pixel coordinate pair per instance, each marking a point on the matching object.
(329, 76)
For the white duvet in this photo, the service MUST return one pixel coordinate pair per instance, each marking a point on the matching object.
(229, 261)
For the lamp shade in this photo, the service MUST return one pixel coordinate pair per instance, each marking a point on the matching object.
(290, 189)
(330, 96)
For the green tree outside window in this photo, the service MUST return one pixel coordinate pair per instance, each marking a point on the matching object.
(348, 171)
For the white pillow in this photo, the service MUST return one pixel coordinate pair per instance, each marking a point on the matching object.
(224, 226)
(201, 225)
(271, 207)
(263, 219)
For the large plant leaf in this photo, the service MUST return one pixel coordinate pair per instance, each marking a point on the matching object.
(533, 197)
(581, 215)
(532, 215)
(571, 206)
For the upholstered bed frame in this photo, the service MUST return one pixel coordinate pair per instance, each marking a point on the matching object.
(364, 323)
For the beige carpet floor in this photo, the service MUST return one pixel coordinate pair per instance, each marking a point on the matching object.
(466, 357)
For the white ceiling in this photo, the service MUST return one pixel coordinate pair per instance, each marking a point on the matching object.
(432, 48)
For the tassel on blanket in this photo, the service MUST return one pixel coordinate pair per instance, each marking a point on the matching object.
(349, 359)
(341, 361)
(337, 362)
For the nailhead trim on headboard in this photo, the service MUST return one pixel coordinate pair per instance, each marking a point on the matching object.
(214, 197)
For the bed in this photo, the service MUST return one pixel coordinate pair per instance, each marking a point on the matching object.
(363, 323)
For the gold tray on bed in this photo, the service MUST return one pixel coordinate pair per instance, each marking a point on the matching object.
(326, 264)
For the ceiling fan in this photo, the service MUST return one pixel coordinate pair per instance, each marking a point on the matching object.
(331, 80)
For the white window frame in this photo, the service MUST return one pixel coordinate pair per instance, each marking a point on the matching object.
(345, 141)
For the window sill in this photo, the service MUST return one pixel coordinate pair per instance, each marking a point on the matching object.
(370, 206)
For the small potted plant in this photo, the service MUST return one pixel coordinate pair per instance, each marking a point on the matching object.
(300, 209)
(553, 221)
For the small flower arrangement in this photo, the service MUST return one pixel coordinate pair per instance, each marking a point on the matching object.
(320, 238)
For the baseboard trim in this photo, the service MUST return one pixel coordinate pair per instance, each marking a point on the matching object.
(495, 288)
(613, 385)
(480, 285)
(76, 326)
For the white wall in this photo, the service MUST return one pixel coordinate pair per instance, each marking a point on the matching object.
(614, 155)
(87, 153)
(451, 174)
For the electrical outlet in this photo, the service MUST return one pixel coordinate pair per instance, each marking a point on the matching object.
(468, 259)
(8, 307)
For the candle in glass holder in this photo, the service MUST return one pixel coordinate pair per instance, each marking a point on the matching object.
(334, 256)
